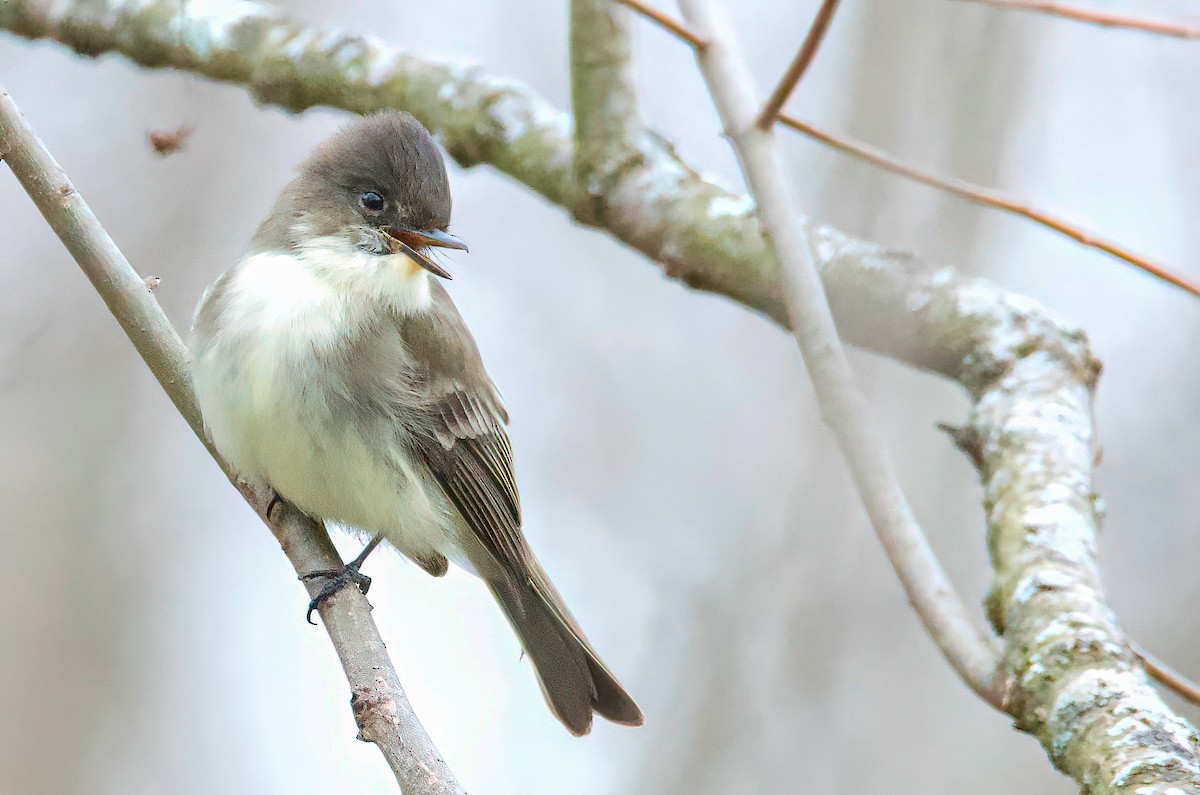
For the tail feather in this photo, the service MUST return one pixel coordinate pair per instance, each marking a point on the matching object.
(573, 679)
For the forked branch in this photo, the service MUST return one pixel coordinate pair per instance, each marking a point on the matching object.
(799, 65)
(985, 197)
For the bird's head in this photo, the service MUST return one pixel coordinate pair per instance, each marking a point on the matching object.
(378, 184)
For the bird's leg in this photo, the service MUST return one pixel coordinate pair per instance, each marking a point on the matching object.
(340, 578)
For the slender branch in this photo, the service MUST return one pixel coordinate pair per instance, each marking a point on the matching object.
(804, 58)
(1111, 735)
(1101, 18)
(842, 404)
(381, 709)
(989, 198)
(603, 100)
(665, 22)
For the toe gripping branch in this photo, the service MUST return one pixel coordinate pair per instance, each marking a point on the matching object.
(340, 578)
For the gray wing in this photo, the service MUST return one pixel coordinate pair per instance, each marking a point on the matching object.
(459, 430)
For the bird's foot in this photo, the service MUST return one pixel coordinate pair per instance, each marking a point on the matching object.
(338, 579)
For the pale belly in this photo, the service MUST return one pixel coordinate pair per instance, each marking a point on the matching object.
(283, 421)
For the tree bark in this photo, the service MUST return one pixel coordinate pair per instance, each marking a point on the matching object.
(1074, 683)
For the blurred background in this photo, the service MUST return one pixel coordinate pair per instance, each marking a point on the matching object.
(677, 481)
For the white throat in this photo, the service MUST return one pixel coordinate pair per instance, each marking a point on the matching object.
(384, 280)
(321, 293)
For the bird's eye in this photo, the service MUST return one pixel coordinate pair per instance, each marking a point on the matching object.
(371, 201)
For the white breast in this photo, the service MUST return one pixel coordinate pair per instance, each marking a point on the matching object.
(266, 401)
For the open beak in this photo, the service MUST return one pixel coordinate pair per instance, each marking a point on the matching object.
(411, 241)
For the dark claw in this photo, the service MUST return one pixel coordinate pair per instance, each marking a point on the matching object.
(275, 500)
(338, 579)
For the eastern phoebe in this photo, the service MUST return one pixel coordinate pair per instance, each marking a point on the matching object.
(332, 367)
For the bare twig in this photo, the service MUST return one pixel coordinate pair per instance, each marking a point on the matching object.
(791, 78)
(665, 22)
(1101, 18)
(989, 198)
(381, 708)
(1167, 676)
(960, 188)
(970, 652)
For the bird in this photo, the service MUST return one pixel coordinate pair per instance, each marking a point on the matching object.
(333, 369)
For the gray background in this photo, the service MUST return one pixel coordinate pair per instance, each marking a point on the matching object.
(678, 483)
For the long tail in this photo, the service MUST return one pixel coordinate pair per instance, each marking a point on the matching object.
(573, 679)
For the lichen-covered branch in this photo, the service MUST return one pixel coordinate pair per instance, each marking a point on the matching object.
(381, 709)
(603, 101)
(1077, 685)
(700, 232)
(1167, 676)
(1074, 683)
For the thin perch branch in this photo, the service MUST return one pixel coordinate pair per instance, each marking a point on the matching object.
(1101, 18)
(989, 198)
(804, 58)
(972, 655)
(381, 709)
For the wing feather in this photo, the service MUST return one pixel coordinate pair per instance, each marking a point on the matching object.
(459, 431)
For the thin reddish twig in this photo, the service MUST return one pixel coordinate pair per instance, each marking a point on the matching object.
(1102, 18)
(799, 65)
(1167, 676)
(964, 190)
(665, 22)
(989, 198)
